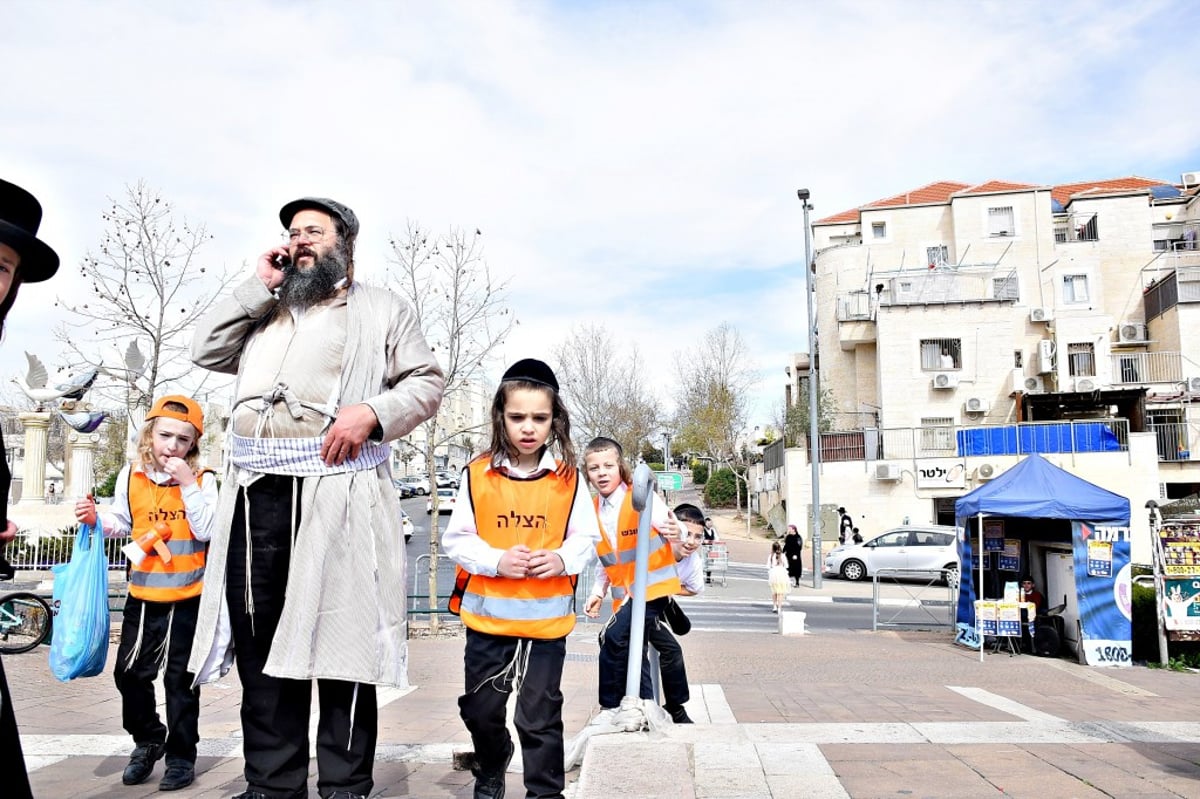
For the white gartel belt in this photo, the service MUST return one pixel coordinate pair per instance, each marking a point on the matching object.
(298, 457)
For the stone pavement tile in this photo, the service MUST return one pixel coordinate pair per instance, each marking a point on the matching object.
(1021, 771)
(916, 770)
(1130, 769)
(663, 768)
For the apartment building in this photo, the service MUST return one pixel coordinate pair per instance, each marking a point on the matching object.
(463, 429)
(963, 326)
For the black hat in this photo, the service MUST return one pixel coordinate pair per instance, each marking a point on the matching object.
(20, 216)
(332, 207)
(531, 370)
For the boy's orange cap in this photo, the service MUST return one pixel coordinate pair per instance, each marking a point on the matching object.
(194, 416)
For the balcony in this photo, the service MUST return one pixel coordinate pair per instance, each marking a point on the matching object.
(1181, 285)
(1075, 227)
(948, 285)
(1177, 441)
(1147, 368)
(962, 441)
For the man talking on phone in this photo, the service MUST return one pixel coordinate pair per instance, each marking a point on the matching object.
(307, 554)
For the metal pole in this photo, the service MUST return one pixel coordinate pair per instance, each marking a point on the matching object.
(643, 501)
(814, 434)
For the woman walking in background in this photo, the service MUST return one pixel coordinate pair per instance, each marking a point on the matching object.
(793, 551)
(777, 577)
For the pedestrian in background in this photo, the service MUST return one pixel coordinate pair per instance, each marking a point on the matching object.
(793, 551)
(777, 576)
(845, 526)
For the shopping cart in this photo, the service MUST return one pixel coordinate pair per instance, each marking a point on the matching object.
(716, 563)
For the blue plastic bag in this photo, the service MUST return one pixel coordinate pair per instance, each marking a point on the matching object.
(79, 647)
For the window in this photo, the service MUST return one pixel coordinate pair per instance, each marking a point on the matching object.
(899, 539)
(938, 354)
(1081, 359)
(1005, 288)
(1018, 359)
(1000, 222)
(879, 230)
(937, 435)
(1075, 288)
(937, 256)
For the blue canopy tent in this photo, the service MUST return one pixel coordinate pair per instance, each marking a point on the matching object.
(1099, 519)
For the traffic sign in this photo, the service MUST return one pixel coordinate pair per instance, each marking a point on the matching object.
(670, 481)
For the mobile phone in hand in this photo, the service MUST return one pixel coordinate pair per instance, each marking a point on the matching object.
(281, 261)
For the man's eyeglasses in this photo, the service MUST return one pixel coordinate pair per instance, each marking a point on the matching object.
(312, 233)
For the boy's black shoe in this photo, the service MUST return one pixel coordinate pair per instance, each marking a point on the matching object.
(678, 714)
(179, 774)
(491, 785)
(141, 763)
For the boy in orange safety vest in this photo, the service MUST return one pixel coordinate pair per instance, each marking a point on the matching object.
(167, 504)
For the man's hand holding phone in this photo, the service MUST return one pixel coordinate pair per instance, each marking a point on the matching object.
(270, 267)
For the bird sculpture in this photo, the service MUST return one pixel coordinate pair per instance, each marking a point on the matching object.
(83, 421)
(36, 383)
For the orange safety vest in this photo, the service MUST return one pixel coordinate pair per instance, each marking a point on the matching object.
(153, 580)
(510, 511)
(661, 577)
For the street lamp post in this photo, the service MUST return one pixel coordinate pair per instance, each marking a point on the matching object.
(814, 440)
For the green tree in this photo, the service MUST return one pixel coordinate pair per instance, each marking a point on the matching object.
(795, 422)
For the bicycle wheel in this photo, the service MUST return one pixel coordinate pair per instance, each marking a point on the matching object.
(24, 622)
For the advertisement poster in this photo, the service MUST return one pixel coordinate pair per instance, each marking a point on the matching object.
(1180, 552)
(1010, 558)
(985, 616)
(1103, 585)
(993, 535)
(1008, 620)
(1099, 563)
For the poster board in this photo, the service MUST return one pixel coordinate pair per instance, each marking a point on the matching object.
(1179, 553)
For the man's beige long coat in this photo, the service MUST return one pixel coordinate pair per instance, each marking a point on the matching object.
(344, 612)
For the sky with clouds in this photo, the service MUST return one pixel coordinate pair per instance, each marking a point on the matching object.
(631, 164)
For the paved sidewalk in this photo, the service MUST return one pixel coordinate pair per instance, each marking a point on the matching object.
(841, 714)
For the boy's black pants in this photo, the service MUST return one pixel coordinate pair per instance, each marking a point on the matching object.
(670, 664)
(614, 653)
(135, 680)
(275, 711)
(538, 715)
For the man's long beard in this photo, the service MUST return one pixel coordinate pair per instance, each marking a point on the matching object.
(303, 289)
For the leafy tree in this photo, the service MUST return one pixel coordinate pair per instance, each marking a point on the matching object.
(721, 489)
(795, 422)
(463, 313)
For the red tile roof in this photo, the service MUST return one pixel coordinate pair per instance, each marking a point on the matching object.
(942, 191)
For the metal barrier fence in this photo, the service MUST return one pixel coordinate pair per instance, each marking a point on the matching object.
(33, 551)
(934, 602)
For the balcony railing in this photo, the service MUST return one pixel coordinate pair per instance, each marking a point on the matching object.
(961, 441)
(1075, 227)
(1141, 368)
(1177, 441)
(949, 285)
(1182, 285)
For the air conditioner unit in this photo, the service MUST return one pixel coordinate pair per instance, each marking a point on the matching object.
(945, 380)
(977, 405)
(1194, 384)
(1083, 384)
(887, 471)
(1041, 315)
(986, 471)
(1017, 381)
(1035, 385)
(1131, 333)
(1045, 356)
(1190, 178)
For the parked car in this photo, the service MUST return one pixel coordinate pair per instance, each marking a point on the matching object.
(447, 479)
(407, 524)
(404, 490)
(419, 485)
(930, 549)
(445, 501)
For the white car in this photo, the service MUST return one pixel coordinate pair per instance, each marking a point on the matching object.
(407, 525)
(445, 501)
(928, 549)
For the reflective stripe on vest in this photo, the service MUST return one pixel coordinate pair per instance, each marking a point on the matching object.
(662, 578)
(511, 511)
(153, 580)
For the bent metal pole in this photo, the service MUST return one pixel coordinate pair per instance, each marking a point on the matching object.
(643, 502)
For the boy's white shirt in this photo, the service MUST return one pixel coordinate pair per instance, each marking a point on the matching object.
(691, 572)
(200, 501)
(608, 527)
(462, 544)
